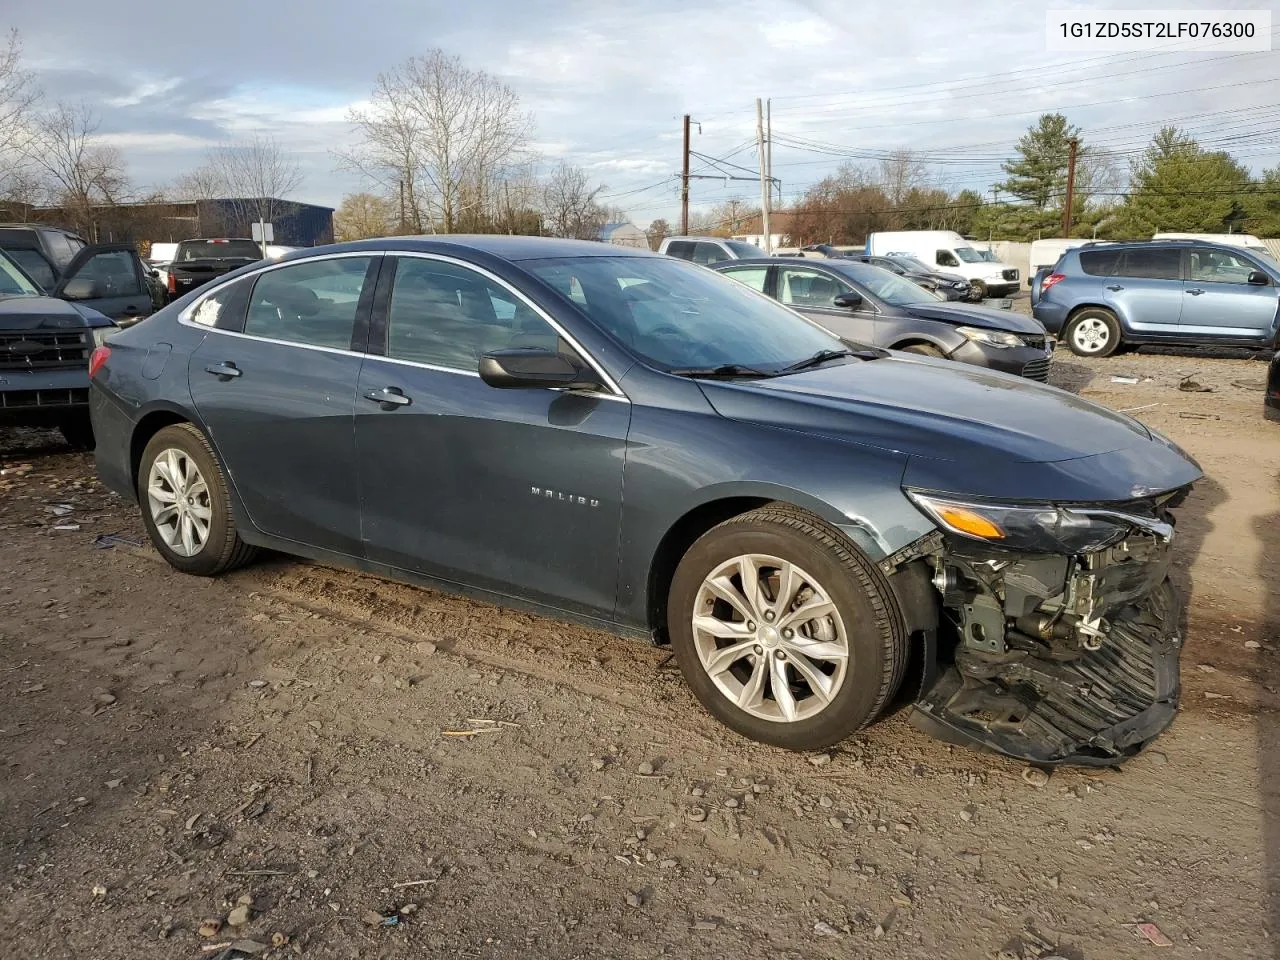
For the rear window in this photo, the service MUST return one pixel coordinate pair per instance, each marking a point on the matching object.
(1100, 263)
(1152, 264)
(217, 250)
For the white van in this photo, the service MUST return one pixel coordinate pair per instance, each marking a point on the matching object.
(1045, 253)
(1246, 240)
(948, 252)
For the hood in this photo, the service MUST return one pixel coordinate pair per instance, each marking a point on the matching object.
(972, 315)
(35, 313)
(932, 409)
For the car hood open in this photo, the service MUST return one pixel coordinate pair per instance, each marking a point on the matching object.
(966, 428)
(962, 314)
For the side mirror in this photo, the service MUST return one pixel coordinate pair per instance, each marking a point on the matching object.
(83, 288)
(1258, 278)
(526, 367)
(850, 301)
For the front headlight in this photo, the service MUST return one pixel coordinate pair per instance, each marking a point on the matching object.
(1043, 528)
(995, 338)
(102, 334)
(960, 284)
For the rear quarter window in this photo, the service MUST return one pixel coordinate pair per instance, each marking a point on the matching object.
(1100, 263)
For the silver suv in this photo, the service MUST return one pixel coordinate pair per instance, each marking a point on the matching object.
(709, 250)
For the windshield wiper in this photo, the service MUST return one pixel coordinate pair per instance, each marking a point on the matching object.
(726, 371)
(822, 356)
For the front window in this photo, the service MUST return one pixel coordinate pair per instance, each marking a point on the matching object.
(888, 287)
(743, 250)
(969, 255)
(114, 271)
(1214, 266)
(13, 283)
(217, 250)
(677, 316)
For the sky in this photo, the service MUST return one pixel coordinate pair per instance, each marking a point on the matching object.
(608, 82)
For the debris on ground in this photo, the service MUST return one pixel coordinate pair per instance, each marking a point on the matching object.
(1188, 385)
(1152, 934)
(1128, 380)
(1035, 776)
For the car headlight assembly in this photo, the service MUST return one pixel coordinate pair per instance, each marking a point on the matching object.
(1039, 528)
(994, 338)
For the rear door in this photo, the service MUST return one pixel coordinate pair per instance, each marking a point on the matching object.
(110, 277)
(1146, 290)
(275, 385)
(1219, 301)
(812, 292)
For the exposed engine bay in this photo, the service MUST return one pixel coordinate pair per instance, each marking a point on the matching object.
(1054, 658)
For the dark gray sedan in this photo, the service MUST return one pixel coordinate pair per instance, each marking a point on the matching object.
(634, 442)
(871, 305)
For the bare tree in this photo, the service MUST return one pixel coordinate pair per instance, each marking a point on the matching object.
(446, 135)
(569, 206)
(658, 231)
(362, 215)
(79, 172)
(900, 173)
(18, 97)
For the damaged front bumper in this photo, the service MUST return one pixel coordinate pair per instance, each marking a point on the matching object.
(1050, 658)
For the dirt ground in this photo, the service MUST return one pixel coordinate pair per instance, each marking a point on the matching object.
(171, 746)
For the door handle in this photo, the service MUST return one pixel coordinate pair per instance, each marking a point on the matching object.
(224, 371)
(1196, 292)
(1115, 288)
(389, 398)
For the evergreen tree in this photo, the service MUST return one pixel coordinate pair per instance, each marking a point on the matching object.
(1178, 186)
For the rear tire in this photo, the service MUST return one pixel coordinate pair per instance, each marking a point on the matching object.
(839, 665)
(1092, 332)
(78, 432)
(186, 506)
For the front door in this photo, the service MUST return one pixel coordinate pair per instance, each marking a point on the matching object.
(277, 391)
(1219, 301)
(116, 284)
(514, 491)
(812, 292)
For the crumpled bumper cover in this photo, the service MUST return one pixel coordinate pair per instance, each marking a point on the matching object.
(1097, 710)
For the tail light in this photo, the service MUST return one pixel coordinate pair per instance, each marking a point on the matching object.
(173, 284)
(97, 359)
(1050, 280)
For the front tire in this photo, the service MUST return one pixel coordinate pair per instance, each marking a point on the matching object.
(979, 290)
(785, 632)
(1093, 332)
(186, 506)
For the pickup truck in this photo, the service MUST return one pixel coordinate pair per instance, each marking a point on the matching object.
(196, 262)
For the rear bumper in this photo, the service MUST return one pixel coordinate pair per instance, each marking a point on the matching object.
(1052, 315)
(43, 397)
(113, 431)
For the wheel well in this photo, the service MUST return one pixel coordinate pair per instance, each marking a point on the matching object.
(677, 542)
(147, 428)
(915, 342)
(1076, 311)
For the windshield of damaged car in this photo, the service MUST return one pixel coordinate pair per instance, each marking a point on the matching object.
(887, 286)
(13, 282)
(679, 316)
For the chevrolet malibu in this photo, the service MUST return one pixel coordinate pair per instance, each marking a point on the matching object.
(634, 442)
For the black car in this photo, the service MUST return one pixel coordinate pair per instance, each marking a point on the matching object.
(869, 305)
(196, 262)
(1271, 405)
(630, 440)
(122, 286)
(945, 284)
(45, 344)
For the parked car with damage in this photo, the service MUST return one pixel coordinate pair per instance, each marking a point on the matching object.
(1098, 298)
(948, 286)
(636, 443)
(197, 262)
(45, 344)
(109, 277)
(870, 305)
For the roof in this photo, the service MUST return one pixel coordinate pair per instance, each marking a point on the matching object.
(498, 245)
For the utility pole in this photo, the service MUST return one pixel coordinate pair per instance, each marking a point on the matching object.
(684, 183)
(768, 145)
(1073, 143)
(764, 177)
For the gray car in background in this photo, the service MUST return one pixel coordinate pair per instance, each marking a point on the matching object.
(871, 305)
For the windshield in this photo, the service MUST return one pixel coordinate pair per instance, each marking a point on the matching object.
(744, 251)
(911, 263)
(887, 286)
(678, 315)
(969, 255)
(15, 283)
(217, 250)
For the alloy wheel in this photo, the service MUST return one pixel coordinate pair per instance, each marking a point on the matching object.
(770, 638)
(1091, 335)
(178, 498)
